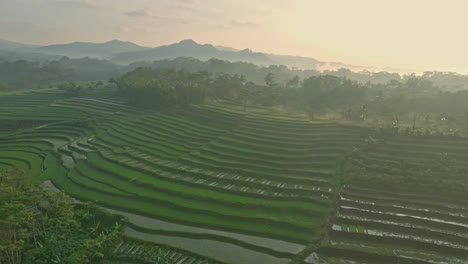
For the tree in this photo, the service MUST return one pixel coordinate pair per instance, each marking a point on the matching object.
(293, 83)
(71, 89)
(269, 80)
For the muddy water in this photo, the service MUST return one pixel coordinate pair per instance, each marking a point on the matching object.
(221, 251)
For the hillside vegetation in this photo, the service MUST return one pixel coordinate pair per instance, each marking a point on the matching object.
(413, 106)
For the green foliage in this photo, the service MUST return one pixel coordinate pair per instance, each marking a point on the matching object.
(156, 88)
(269, 81)
(252, 72)
(294, 82)
(39, 226)
(411, 102)
(329, 93)
(71, 89)
(22, 75)
(226, 86)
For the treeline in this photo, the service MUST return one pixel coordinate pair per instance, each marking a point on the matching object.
(161, 88)
(414, 100)
(29, 75)
(251, 72)
(256, 74)
(447, 81)
(22, 75)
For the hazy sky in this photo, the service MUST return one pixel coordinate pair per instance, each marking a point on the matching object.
(416, 34)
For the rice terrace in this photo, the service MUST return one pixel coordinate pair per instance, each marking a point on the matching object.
(249, 186)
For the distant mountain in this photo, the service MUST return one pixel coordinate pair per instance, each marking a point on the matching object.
(6, 45)
(204, 52)
(296, 61)
(94, 50)
(125, 53)
(11, 55)
(219, 47)
(189, 48)
(13, 51)
(291, 61)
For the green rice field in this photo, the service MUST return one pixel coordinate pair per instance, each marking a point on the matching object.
(214, 183)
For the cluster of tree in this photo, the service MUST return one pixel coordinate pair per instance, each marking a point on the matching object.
(159, 87)
(326, 93)
(156, 88)
(251, 72)
(29, 75)
(447, 81)
(413, 101)
(21, 75)
(40, 226)
(77, 88)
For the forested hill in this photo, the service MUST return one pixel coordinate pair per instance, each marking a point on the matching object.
(94, 50)
(32, 74)
(23, 75)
